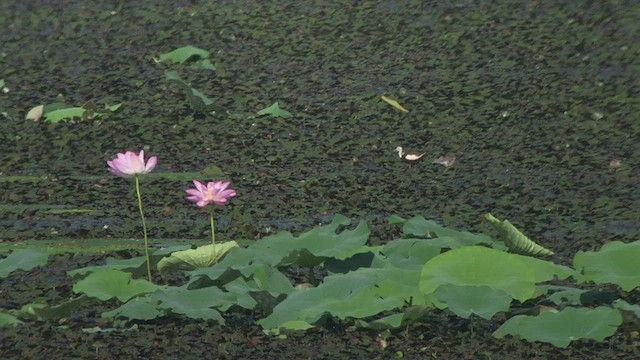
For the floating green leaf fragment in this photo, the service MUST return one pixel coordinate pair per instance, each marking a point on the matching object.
(183, 54)
(207, 65)
(68, 113)
(9, 320)
(563, 327)
(275, 111)
(200, 257)
(623, 305)
(58, 111)
(25, 259)
(516, 241)
(113, 108)
(393, 103)
(139, 308)
(199, 102)
(45, 312)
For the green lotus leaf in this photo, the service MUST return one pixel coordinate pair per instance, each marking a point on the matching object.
(44, 312)
(357, 294)
(7, 320)
(616, 263)
(200, 257)
(516, 241)
(563, 327)
(479, 266)
(110, 283)
(275, 111)
(25, 259)
(181, 55)
(623, 305)
(438, 235)
(480, 300)
(139, 308)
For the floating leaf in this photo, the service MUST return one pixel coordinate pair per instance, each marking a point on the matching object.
(183, 54)
(134, 265)
(480, 300)
(59, 111)
(207, 65)
(199, 102)
(393, 103)
(563, 327)
(516, 241)
(200, 257)
(358, 294)
(616, 263)
(9, 320)
(623, 305)
(138, 308)
(282, 249)
(112, 108)
(25, 259)
(479, 266)
(439, 235)
(44, 312)
(195, 304)
(410, 253)
(275, 111)
(68, 113)
(111, 283)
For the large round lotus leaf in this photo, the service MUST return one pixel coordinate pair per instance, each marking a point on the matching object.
(479, 266)
(616, 263)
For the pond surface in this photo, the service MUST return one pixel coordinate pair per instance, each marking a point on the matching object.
(538, 104)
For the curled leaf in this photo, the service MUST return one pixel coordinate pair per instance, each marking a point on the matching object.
(516, 241)
(200, 257)
(393, 103)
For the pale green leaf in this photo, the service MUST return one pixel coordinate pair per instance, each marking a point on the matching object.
(200, 257)
(183, 54)
(138, 308)
(616, 263)
(479, 266)
(24, 259)
(9, 320)
(516, 241)
(62, 114)
(480, 300)
(111, 283)
(275, 111)
(563, 327)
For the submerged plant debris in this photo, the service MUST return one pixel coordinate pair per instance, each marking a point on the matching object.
(540, 98)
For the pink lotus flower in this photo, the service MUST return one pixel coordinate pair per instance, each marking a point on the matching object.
(215, 192)
(130, 163)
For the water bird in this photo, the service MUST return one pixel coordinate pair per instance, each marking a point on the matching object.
(410, 157)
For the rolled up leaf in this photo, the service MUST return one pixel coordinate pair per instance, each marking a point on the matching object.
(516, 241)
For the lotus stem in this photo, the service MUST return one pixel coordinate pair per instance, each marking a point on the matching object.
(144, 230)
(213, 233)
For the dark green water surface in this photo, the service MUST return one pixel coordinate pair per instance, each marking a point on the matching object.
(535, 100)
